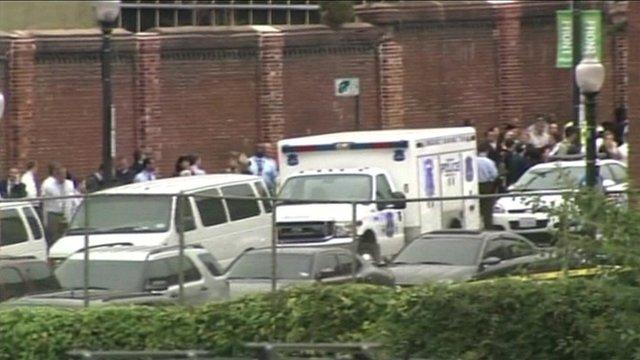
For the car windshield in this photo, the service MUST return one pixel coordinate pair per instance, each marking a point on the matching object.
(103, 274)
(123, 214)
(328, 187)
(258, 266)
(447, 251)
(551, 179)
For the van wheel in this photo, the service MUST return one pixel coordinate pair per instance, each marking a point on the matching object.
(368, 245)
(455, 224)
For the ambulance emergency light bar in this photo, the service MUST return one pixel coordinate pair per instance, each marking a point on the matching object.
(287, 149)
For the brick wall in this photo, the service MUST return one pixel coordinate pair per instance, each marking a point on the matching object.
(313, 58)
(212, 90)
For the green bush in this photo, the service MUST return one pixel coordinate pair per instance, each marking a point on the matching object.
(569, 319)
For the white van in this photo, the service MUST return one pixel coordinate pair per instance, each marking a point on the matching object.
(145, 214)
(21, 232)
(384, 165)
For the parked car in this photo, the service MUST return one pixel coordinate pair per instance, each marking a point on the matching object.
(20, 276)
(457, 256)
(251, 272)
(147, 214)
(527, 212)
(136, 274)
(21, 233)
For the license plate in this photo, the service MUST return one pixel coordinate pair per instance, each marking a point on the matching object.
(527, 222)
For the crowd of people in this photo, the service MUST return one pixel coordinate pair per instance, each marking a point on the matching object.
(507, 152)
(60, 183)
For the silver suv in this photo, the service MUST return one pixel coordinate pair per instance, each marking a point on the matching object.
(133, 272)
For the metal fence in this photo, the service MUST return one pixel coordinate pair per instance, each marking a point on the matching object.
(142, 15)
(185, 211)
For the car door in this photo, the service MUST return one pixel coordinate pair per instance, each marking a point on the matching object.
(249, 227)
(214, 219)
(12, 284)
(166, 270)
(327, 264)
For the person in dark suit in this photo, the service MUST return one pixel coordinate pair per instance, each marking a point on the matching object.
(12, 188)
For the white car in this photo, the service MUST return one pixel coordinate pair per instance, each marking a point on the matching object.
(527, 211)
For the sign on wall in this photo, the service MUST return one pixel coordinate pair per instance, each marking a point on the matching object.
(564, 24)
(347, 87)
(591, 30)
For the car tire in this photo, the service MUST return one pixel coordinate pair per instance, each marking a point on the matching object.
(369, 245)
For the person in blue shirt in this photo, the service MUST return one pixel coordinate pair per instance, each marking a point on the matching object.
(487, 183)
(264, 166)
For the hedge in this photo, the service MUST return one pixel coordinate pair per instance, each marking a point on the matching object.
(567, 319)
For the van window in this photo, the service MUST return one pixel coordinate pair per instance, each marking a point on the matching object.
(123, 214)
(383, 189)
(263, 192)
(241, 209)
(12, 228)
(187, 215)
(34, 224)
(211, 210)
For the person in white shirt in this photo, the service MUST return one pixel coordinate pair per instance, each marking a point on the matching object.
(539, 133)
(57, 212)
(148, 172)
(29, 179)
(196, 165)
(264, 166)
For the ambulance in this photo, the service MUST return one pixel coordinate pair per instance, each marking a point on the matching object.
(382, 171)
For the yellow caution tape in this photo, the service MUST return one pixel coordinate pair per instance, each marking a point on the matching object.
(554, 275)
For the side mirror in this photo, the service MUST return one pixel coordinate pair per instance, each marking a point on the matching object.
(157, 285)
(397, 203)
(490, 261)
(326, 273)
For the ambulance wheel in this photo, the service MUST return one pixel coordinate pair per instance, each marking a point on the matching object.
(368, 245)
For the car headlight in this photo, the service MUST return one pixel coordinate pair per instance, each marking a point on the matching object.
(498, 209)
(343, 229)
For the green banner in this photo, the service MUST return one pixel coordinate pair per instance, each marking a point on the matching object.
(591, 27)
(564, 24)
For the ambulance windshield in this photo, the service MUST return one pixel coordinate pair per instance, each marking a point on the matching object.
(329, 187)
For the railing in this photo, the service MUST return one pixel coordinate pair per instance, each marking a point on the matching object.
(260, 202)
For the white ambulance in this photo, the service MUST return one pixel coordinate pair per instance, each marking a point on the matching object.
(385, 165)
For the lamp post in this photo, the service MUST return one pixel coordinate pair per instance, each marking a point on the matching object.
(107, 13)
(1, 105)
(589, 77)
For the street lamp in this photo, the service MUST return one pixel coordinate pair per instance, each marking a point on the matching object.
(107, 13)
(589, 77)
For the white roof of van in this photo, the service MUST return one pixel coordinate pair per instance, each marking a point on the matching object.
(378, 136)
(175, 185)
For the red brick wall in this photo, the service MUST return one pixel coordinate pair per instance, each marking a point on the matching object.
(311, 63)
(208, 98)
(450, 74)
(212, 90)
(67, 118)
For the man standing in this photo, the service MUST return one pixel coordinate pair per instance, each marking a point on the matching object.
(539, 133)
(124, 174)
(569, 145)
(12, 187)
(148, 173)
(29, 179)
(57, 212)
(196, 165)
(264, 166)
(96, 181)
(487, 176)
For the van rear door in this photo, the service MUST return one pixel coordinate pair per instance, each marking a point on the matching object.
(429, 187)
